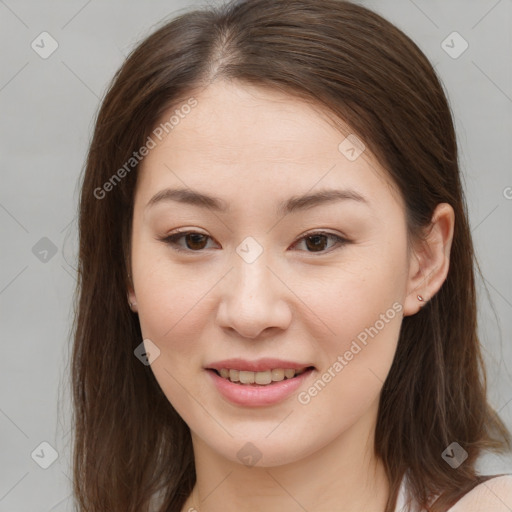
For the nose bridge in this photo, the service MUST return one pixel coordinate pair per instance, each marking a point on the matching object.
(252, 276)
(252, 298)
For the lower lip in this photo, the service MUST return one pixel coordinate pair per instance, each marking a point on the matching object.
(253, 396)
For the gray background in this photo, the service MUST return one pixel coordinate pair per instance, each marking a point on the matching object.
(47, 113)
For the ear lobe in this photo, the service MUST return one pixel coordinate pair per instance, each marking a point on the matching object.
(132, 300)
(430, 260)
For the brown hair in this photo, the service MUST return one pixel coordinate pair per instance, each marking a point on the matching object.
(130, 444)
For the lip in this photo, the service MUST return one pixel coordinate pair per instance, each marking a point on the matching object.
(259, 365)
(253, 395)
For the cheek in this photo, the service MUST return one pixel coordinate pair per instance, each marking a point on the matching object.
(361, 312)
(172, 314)
(366, 293)
(167, 294)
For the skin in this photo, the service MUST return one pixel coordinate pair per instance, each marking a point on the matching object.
(253, 148)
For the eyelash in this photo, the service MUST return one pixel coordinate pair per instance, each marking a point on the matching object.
(171, 240)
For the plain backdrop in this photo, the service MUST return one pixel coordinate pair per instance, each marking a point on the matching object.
(48, 106)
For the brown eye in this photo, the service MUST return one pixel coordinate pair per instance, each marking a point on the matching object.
(317, 242)
(194, 241)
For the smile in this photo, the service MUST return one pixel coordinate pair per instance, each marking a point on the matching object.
(262, 388)
(262, 378)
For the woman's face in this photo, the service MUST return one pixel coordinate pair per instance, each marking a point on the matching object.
(263, 283)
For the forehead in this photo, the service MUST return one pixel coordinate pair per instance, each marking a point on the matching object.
(231, 120)
(241, 137)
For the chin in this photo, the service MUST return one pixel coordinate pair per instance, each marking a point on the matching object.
(262, 450)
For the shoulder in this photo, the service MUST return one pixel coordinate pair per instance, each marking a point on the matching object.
(493, 495)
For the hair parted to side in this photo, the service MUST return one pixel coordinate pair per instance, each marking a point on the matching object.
(130, 445)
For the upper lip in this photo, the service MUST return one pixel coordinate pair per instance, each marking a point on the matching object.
(259, 365)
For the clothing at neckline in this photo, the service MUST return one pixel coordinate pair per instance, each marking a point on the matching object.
(406, 503)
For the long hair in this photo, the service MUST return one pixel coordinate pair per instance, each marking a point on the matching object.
(131, 448)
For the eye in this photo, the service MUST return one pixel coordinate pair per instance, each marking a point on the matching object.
(196, 242)
(317, 241)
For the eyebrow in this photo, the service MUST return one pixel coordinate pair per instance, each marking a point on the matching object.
(294, 204)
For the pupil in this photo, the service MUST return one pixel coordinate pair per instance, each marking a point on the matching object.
(194, 237)
(317, 242)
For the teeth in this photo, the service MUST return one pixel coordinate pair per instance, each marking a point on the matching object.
(289, 373)
(246, 377)
(261, 378)
(277, 374)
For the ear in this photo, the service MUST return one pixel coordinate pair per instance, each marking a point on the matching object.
(132, 299)
(430, 259)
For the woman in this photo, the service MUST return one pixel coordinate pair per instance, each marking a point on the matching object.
(276, 300)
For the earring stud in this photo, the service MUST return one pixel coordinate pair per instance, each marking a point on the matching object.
(420, 298)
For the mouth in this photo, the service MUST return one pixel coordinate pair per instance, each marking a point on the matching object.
(258, 383)
(260, 378)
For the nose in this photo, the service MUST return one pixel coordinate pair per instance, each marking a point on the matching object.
(254, 299)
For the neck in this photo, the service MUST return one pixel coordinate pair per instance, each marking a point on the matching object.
(342, 475)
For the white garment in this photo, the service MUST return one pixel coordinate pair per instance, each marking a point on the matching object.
(404, 500)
